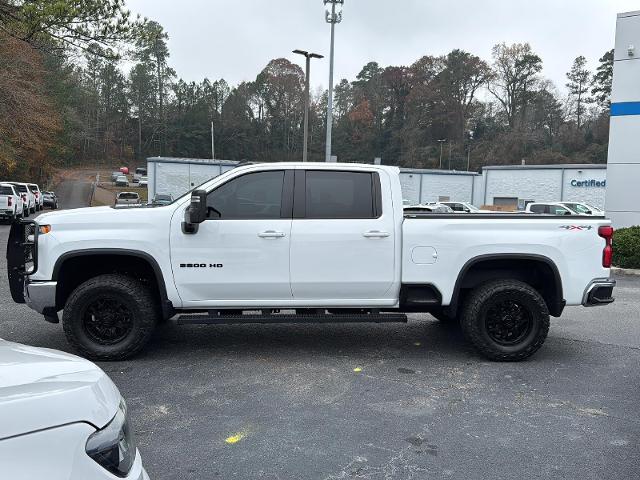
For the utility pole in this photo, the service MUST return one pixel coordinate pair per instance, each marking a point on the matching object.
(441, 142)
(449, 154)
(213, 145)
(332, 16)
(307, 100)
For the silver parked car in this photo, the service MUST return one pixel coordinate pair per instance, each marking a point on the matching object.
(127, 198)
(122, 181)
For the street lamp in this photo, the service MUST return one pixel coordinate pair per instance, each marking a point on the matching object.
(333, 15)
(469, 149)
(441, 142)
(308, 56)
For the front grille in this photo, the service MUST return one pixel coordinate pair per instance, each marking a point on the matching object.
(22, 256)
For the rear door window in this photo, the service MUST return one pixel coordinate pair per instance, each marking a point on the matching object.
(339, 194)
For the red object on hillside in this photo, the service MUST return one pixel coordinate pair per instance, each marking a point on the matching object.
(125, 170)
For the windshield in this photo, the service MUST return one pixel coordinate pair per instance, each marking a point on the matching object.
(579, 208)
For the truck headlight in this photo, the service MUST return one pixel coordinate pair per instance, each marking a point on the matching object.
(114, 447)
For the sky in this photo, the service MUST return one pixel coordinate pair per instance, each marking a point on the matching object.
(235, 39)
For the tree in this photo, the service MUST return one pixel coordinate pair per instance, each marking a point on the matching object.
(579, 82)
(29, 122)
(462, 76)
(602, 80)
(516, 70)
(151, 48)
(75, 23)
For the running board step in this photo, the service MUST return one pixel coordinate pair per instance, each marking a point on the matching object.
(291, 318)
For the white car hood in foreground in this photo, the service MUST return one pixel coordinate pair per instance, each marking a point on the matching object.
(42, 388)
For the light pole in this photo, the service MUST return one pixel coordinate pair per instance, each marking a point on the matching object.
(469, 149)
(441, 142)
(308, 57)
(333, 15)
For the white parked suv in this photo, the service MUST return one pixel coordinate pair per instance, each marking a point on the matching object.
(330, 242)
(62, 418)
(549, 208)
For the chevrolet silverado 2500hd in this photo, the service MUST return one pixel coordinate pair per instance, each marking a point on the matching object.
(301, 243)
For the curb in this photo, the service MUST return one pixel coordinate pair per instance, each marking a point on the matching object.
(626, 271)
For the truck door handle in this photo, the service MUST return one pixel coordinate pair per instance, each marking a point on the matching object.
(271, 234)
(375, 234)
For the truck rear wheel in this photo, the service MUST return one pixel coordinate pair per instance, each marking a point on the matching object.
(110, 317)
(506, 320)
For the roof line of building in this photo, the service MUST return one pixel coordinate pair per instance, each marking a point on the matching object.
(562, 166)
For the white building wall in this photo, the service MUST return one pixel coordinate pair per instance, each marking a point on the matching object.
(579, 187)
(423, 187)
(456, 187)
(410, 183)
(526, 184)
(478, 190)
(623, 164)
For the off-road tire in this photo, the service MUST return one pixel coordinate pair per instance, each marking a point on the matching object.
(135, 296)
(474, 319)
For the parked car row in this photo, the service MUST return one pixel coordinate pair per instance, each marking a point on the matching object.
(563, 208)
(119, 179)
(545, 208)
(19, 200)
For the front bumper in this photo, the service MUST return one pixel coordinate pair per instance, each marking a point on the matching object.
(599, 292)
(41, 296)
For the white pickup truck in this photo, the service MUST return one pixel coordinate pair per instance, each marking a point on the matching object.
(11, 206)
(305, 242)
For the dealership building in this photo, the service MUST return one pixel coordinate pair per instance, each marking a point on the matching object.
(504, 185)
(508, 185)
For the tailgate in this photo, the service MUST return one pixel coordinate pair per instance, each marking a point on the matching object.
(4, 202)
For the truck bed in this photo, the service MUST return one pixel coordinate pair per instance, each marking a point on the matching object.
(438, 250)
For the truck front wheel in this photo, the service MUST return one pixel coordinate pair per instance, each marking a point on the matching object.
(110, 317)
(506, 320)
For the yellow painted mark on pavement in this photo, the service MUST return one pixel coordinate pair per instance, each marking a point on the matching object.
(234, 438)
(417, 344)
(357, 369)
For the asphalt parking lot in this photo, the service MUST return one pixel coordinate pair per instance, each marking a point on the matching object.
(284, 402)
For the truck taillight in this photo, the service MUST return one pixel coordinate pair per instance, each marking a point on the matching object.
(607, 253)
(9, 201)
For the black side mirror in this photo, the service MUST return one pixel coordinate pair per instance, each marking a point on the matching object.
(196, 213)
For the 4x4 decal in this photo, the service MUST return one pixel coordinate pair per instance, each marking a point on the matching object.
(576, 227)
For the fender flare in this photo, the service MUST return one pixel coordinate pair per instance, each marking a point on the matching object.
(167, 307)
(555, 310)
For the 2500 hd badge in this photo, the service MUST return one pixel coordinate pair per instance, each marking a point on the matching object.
(200, 265)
